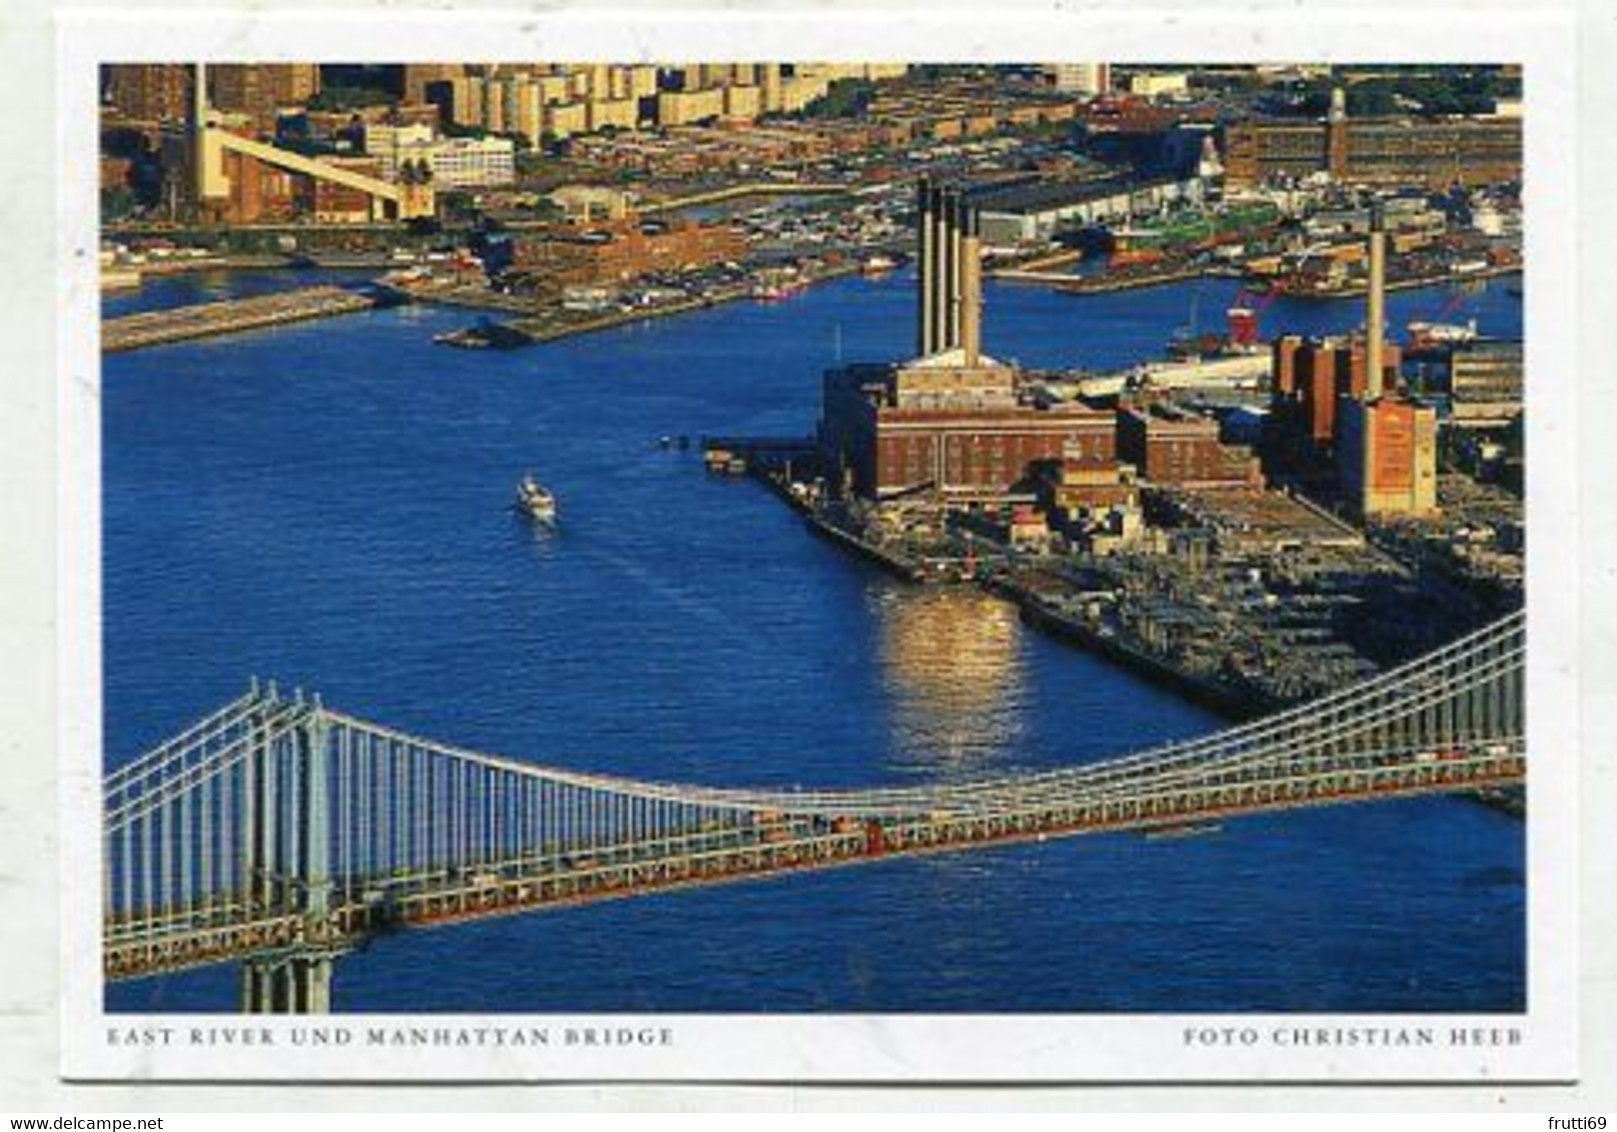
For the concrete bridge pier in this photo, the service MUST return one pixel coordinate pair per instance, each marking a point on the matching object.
(299, 983)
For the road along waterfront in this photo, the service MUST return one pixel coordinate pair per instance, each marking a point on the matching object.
(326, 503)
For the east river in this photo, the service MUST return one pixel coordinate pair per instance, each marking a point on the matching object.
(327, 504)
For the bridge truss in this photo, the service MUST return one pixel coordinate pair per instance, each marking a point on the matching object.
(280, 833)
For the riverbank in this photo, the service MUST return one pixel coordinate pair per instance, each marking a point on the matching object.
(1413, 283)
(1108, 282)
(1048, 602)
(556, 325)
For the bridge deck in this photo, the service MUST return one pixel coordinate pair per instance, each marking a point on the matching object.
(438, 896)
(281, 833)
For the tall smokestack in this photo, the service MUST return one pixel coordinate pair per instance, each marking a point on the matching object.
(926, 326)
(971, 287)
(1375, 315)
(956, 213)
(198, 131)
(943, 276)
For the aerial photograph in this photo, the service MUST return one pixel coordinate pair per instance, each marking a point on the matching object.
(791, 538)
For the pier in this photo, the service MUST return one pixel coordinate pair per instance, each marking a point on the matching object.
(230, 316)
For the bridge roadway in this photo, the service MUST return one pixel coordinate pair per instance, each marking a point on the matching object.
(281, 833)
(770, 847)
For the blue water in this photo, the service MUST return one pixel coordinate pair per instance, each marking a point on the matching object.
(327, 504)
(165, 292)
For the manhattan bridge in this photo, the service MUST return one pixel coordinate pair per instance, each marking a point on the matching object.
(280, 833)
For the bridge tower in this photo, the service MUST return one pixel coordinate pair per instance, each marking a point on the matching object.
(287, 849)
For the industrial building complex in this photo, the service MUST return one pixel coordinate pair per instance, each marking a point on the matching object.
(1245, 514)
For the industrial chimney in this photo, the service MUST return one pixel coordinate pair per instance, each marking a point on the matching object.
(198, 135)
(1375, 316)
(943, 270)
(949, 250)
(926, 325)
(971, 287)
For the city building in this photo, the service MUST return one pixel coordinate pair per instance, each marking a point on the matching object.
(611, 113)
(148, 92)
(564, 119)
(1038, 211)
(621, 251)
(1311, 375)
(1083, 79)
(1095, 503)
(1375, 151)
(455, 163)
(590, 204)
(1485, 380)
(1386, 456)
(420, 77)
(385, 143)
(327, 202)
(1167, 445)
(685, 107)
(260, 91)
(1157, 84)
(955, 431)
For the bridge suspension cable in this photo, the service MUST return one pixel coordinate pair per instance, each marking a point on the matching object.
(279, 832)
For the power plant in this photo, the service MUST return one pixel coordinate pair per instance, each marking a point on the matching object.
(952, 424)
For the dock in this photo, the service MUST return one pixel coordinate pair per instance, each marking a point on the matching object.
(552, 326)
(1357, 290)
(1223, 697)
(1124, 279)
(230, 316)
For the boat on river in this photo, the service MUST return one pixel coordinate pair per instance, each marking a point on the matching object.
(535, 500)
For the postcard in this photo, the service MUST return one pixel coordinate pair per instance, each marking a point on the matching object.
(814, 549)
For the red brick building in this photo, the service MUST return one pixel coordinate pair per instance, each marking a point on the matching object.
(116, 172)
(958, 431)
(1170, 446)
(259, 193)
(331, 203)
(1377, 151)
(261, 90)
(1310, 375)
(620, 252)
(149, 92)
(1387, 457)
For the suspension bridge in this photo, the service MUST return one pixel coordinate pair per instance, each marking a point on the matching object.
(280, 833)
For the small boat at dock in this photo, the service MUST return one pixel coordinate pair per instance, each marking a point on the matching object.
(485, 335)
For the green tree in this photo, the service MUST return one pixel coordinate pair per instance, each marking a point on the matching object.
(117, 202)
(845, 98)
(340, 98)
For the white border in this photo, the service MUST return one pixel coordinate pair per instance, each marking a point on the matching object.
(859, 1048)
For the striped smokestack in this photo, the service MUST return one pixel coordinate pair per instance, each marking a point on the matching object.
(949, 276)
(198, 131)
(943, 271)
(956, 212)
(926, 325)
(1375, 315)
(971, 287)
